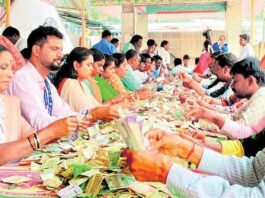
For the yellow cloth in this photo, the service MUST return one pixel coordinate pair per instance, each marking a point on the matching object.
(117, 84)
(232, 147)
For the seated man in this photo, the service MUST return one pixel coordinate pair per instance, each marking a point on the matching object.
(17, 138)
(40, 103)
(227, 176)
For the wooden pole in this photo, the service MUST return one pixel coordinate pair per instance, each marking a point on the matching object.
(83, 39)
(252, 21)
(8, 5)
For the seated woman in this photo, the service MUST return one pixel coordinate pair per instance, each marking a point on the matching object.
(110, 74)
(114, 74)
(99, 87)
(69, 82)
(17, 138)
(14, 51)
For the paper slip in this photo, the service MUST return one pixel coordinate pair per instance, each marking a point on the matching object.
(16, 179)
(70, 191)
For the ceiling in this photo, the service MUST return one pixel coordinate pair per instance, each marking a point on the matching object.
(107, 13)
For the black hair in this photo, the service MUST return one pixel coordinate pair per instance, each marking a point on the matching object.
(151, 42)
(146, 56)
(186, 57)
(163, 43)
(197, 59)
(226, 59)
(119, 58)
(135, 39)
(216, 54)
(142, 59)
(249, 67)
(177, 61)
(97, 55)
(25, 53)
(114, 40)
(11, 31)
(40, 35)
(206, 44)
(245, 37)
(105, 33)
(130, 54)
(78, 54)
(152, 59)
(108, 60)
(157, 57)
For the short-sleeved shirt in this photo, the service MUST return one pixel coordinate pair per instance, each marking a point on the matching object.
(105, 47)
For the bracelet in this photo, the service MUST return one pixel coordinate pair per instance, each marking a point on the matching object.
(31, 144)
(36, 140)
(191, 151)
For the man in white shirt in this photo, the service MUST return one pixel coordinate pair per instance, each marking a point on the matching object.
(186, 62)
(13, 35)
(151, 48)
(246, 50)
(164, 54)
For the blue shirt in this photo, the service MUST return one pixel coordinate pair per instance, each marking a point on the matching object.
(105, 47)
(216, 47)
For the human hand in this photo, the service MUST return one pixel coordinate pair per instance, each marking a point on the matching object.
(168, 143)
(63, 127)
(105, 112)
(184, 77)
(198, 112)
(145, 94)
(148, 166)
(206, 99)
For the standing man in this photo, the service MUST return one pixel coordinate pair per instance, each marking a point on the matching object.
(164, 54)
(221, 45)
(105, 46)
(134, 44)
(151, 48)
(115, 42)
(246, 50)
(14, 36)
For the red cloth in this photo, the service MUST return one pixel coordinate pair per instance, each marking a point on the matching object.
(203, 63)
(20, 61)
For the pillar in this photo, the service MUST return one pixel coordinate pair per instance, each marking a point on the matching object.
(233, 25)
(128, 19)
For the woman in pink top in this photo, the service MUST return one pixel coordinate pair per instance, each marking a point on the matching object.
(17, 138)
(205, 59)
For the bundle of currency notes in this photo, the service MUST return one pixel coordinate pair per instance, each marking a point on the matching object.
(130, 129)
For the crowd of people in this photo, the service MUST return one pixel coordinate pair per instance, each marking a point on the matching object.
(43, 92)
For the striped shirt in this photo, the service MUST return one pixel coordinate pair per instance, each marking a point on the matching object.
(229, 176)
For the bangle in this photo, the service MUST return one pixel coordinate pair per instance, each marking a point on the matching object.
(36, 140)
(31, 144)
(191, 151)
